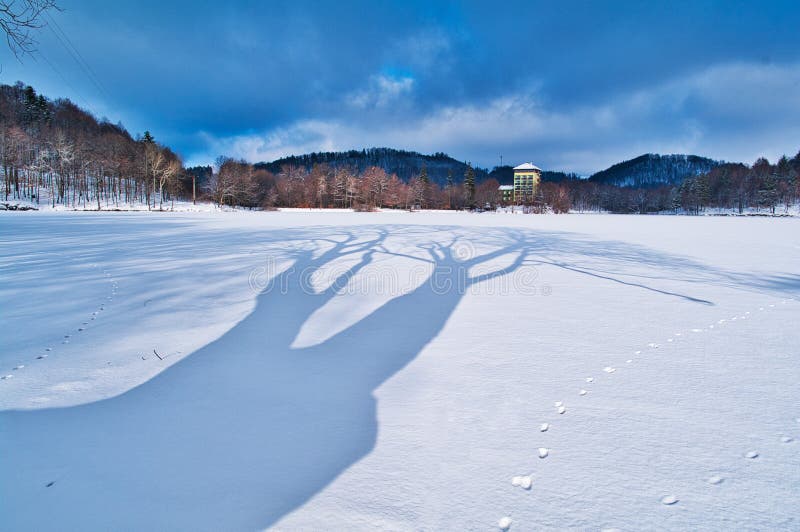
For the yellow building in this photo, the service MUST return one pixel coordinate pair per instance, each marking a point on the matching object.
(527, 177)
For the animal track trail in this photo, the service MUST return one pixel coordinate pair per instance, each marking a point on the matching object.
(82, 328)
(525, 482)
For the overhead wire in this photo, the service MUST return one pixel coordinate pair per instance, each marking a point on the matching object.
(73, 51)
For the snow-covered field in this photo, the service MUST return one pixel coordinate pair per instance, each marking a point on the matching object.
(398, 371)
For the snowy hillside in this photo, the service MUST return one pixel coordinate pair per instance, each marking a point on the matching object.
(398, 371)
(653, 169)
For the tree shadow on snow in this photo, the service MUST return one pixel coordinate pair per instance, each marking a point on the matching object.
(249, 428)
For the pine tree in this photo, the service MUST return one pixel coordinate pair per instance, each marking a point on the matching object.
(449, 188)
(43, 109)
(423, 186)
(31, 107)
(469, 186)
(423, 175)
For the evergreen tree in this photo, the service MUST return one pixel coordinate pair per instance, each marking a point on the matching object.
(449, 186)
(43, 109)
(768, 193)
(31, 104)
(469, 186)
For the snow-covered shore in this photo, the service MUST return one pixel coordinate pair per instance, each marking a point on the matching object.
(339, 370)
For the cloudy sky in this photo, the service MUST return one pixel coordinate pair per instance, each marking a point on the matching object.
(572, 86)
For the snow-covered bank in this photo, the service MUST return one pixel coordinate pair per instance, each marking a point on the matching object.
(398, 372)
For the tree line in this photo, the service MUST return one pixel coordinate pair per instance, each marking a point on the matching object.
(54, 150)
(239, 183)
(51, 150)
(763, 187)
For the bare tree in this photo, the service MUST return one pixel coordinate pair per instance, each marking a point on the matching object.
(18, 19)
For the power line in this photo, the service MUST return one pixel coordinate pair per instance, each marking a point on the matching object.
(72, 50)
(64, 79)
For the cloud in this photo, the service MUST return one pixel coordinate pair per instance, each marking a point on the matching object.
(382, 91)
(736, 111)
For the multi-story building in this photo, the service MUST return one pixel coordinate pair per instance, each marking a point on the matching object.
(526, 180)
(506, 194)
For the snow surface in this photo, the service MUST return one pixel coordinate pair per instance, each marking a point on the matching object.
(348, 371)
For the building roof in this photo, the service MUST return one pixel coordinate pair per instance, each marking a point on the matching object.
(527, 166)
(505, 187)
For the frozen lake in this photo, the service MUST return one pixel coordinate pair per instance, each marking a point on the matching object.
(401, 371)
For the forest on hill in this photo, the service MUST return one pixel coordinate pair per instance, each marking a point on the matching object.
(404, 164)
(54, 148)
(652, 169)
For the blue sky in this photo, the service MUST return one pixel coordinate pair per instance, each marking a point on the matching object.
(572, 86)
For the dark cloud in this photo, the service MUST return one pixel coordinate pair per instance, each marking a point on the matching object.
(572, 85)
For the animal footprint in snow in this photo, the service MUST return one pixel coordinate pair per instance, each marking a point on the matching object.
(49, 349)
(9, 376)
(582, 392)
(19, 367)
(628, 361)
(715, 480)
(590, 379)
(523, 482)
(545, 427)
(609, 369)
(504, 523)
(653, 345)
(787, 439)
(561, 409)
(40, 357)
(637, 353)
(669, 500)
(543, 452)
(751, 454)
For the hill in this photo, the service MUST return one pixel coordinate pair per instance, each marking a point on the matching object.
(406, 164)
(653, 169)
